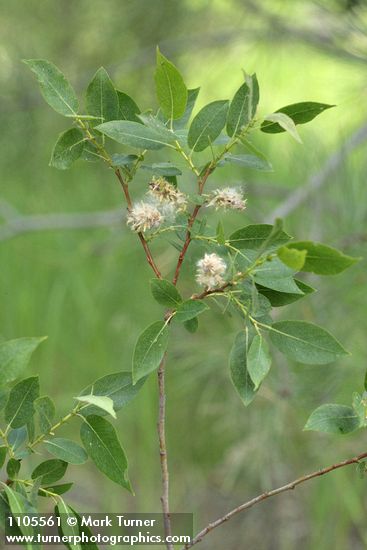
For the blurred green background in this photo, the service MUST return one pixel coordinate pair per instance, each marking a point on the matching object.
(87, 288)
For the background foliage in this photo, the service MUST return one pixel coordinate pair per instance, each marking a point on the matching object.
(86, 289)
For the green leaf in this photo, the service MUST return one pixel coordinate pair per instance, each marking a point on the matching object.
(68, 528)
(101, 401)
(300, 113)
(306, 342)
(162, 169)
(102, 445)
(66, 450)
(117, 386)
(46, 413)
(15, 356)
(55, 88)
(192, 325)
(293, 258)
(207, 125)
(12, 468)
(150, 349)
(285, 122)
(19, 408)
(4, 396)
(278, 299)
(19, 505)
(277, 276)
(128, 109)
(67, 149)
(254, 237)
(238, 367)
(90, 152)
(170, 87)
(220, 234)
(3, 453)
(258, 360)
(85, 530)
(57, 489)
(250, 161)
(50, 470)
(101, 97)
(322, 259)
(137, 135)
(17, 437)
(165, 293)
(359, 404)
(243, 106)
(123, 160)
(189, 309)
(333, 419)
(191, 100)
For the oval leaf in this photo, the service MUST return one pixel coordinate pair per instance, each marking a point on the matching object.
(101, 401)
(300, 113)
(238, 367)
(191, 100)
(117, 386)
(243, 106)
(66, 450)
(46, 413)
(102, 445)
(50, 471)
(254, 236)
(333, 419)
(128, 109)
(250, 161)
(207, 125)
(136, 135)
(101, 97)
(165, 293)
(55, 88)
(278, 299)
(19, 408)
(170, 87)
(68, 528)
(258, 360)
(149, 350)
(68, 149)
(20, 505)
(295, 259)
(286, 123)
(306, 342)
(15, 356)
(322, 259)
(189, 310)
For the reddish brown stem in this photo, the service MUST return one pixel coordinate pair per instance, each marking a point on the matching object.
(190, 223)
(143, 241)
(187, 242)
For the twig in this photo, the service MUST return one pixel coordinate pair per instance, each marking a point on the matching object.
(163, 451)
(316, 181)
(190, 223)
(264, 496)
(143, 241)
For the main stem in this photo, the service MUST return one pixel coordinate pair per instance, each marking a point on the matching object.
(163, 451)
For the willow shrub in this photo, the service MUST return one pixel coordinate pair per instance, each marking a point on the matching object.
(253, 271)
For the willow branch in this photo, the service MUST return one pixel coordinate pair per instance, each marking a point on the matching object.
(163, 451)
(268, 494)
